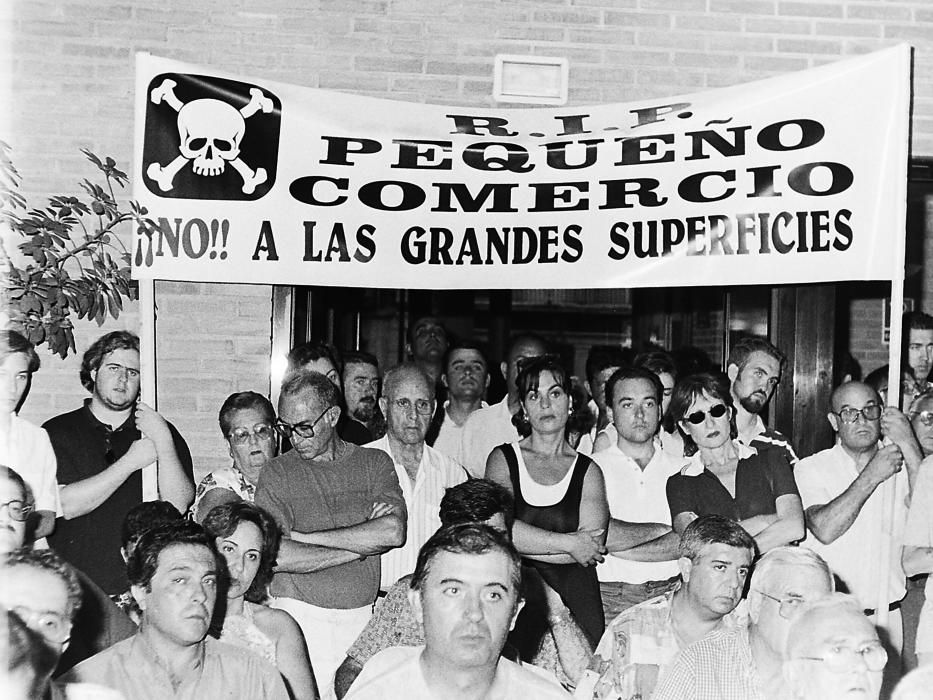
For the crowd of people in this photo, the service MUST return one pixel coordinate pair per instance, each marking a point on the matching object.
(385, 534)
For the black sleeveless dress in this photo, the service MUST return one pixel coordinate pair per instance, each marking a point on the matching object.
(576, 584)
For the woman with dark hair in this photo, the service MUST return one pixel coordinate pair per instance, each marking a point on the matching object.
(561, 514)
(247, 422)
(725, 477)
(248, 539)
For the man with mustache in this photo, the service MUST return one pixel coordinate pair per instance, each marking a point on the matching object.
(174, 573)
(754, 370)
(466, 593)
(361, 391)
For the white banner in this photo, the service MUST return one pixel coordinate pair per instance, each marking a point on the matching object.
(799, 178)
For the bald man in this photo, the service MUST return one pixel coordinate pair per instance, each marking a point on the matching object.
(844, 506)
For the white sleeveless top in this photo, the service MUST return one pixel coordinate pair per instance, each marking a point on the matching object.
(535, 493)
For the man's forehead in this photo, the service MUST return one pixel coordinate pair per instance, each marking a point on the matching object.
(304, 402)
(412, 386)
(360, 369)
(526, 348)
(718, 551)
(466, 355)
(920, 336)
(428, 323)
(124, 356)
(762, 360)
(635, 388)
(490, 568)
(829, 626)
(854, 395)
(194, 557)
(797, 580)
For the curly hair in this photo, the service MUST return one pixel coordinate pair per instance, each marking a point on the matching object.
(103, 346)
(47, 560)
(240, 401)
(144, 559)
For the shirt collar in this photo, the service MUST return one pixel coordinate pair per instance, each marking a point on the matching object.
(694, 465)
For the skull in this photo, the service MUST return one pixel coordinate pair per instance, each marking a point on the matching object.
(210, 132)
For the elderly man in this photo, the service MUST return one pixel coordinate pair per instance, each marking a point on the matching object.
(101, 449)
(754, 370)
(715, 558)
(466, 376)
(423, 473)
(466, 594)
(843, 505)
(745, 663)
(340, 506)
(174, 573)
(636, 470)
(361, 390)
(833, 652)
(490, 427)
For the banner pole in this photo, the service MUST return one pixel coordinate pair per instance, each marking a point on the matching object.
(147, 373)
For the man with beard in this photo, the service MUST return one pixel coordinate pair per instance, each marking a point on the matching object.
(101, 449)
(361, 390)
(174, 573)
(427, 344)
(466, 376)
(754, 370)
(423, 473)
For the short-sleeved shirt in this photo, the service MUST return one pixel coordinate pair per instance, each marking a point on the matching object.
(449, 434)
(28, 451)
(637, 495)
(436, 474)
(315, 495)
(919, 533)
(84, 447)
(763, 438)
(229, 478)
(854, 555)
(484, 431)
(718, 667)
(761, 477)
(222, 671)
(396, 674)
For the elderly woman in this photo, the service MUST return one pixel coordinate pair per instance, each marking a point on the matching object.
(725, 477)
(246, 421)
(248, 539)
(561, 512)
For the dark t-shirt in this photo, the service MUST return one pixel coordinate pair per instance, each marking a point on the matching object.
(759, 480)
(315, 495)
(84, 447)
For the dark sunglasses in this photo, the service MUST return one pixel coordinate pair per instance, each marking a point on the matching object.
(697, 417)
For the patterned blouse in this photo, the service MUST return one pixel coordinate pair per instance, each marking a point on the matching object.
(229, 478)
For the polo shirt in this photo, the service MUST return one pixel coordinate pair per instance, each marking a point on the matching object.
(396, 673)
(28, 450)
(84, 447)
(854, 556)
(484, 431)
(761, 477)
(221, 672)
(315, 495)
(436, 473)
(636, 495)
(762, 438)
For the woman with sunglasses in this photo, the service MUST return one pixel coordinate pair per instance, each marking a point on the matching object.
(248, 539)
(247, 422)
(725, 477)
(561, 514)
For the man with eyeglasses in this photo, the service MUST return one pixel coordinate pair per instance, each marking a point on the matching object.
(833, 652)
(844, 506)
(339, 506)
(423, 473)
(746, 662)
(101, 449)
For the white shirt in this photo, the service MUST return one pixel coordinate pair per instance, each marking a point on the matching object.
(28, 451)
(395, 674)
(854, 555)
(436, 474)
(637, 495)
(588, 441)
(448, 438)
(483, 432)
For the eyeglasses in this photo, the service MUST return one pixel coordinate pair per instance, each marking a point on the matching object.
(838, 659)
(926, 417)
(422, 406)
(787, 607)
(697, 417)
(302, 430)
(869, 413)
(261, 431)
(18, 510)
(53, 627)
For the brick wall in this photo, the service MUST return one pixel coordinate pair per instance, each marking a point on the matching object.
(70, 68)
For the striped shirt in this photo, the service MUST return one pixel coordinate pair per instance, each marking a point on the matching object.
(436, 474)
(761, 437)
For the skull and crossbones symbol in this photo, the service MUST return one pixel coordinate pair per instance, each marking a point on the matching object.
(210, 132)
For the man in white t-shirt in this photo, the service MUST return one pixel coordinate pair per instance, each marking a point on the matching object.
(642, 546)
(466, 594)
(466, 376)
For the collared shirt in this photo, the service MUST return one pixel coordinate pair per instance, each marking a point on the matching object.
(436, 473)
(588, 441)
(484, 431)
(762, 437)
(396, 674)
(27, 450)
(718, 667)
(637, 495)
(220, 672)
(637, 647)
(448, 439)
(854, 555)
